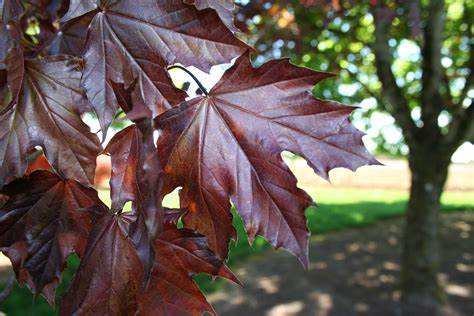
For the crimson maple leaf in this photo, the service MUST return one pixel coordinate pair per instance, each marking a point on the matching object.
(42, 222)
(134, 41)
(228, 144)
(47, 114)
(109, 279)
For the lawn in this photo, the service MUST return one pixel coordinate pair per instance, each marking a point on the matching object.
(337, 209)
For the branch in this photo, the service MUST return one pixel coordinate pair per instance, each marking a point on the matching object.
(449, 103)
(461, 129)
(397, 104)
(432, 101)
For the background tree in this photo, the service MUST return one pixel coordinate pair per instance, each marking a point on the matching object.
(411, 59)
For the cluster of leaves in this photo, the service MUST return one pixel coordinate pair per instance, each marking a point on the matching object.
(61, 59)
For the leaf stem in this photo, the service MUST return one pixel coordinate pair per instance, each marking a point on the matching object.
(204, 90)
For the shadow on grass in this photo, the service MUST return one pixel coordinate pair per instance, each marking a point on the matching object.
(323, 218)
(353, 272)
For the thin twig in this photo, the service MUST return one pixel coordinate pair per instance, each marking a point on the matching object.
(204, 90)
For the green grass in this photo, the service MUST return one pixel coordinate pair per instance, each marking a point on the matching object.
(336, 210)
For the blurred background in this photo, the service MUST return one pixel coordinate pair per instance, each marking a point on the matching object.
(386, 240)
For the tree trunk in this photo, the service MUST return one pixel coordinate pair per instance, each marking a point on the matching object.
(421, 291)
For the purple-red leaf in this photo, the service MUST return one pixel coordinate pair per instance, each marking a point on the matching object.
(47, 114)
(109, 279)
(44, 220)
(229, 144)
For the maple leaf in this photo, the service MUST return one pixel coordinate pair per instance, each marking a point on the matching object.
(42, 222)
(134, 41)
(47, 114)
(228, 144)
(117, 289)
(224, 9)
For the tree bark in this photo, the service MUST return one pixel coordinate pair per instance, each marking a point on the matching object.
(421, 291)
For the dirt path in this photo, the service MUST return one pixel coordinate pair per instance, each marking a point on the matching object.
(353, 272)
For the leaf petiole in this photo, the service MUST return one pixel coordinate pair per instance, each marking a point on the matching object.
(204, 90)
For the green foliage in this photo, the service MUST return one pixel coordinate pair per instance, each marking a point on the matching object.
(339, 40)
